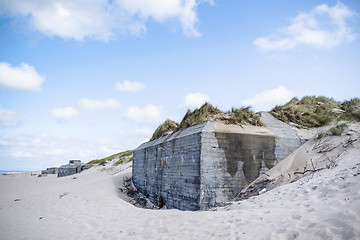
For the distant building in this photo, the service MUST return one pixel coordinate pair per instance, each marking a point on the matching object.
(52, 170)
(74, 166)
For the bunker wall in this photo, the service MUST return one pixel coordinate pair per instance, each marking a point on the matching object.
(168, 173)
(229, 162)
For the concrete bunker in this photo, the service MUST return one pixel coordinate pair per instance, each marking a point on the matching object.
(74, 166)
(206, 165)
(52, 170)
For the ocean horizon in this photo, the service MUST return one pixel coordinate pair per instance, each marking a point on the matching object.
(6, 172)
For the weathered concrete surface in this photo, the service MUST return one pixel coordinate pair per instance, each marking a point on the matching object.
(74, 166)
(287, 139)
(205, 165)
(230, 159)
(53, 170)
(167, 170)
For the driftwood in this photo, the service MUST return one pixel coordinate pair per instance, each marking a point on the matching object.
(253, 190)
(137, 199)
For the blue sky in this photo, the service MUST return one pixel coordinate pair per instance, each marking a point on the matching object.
(86, 79)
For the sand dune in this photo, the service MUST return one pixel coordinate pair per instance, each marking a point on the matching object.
(321, 205)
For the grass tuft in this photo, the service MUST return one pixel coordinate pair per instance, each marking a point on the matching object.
(204, 113)
(124, 157)
(339, 129)
(123, 160)
(352, 108)
(209, 112)
(334, 131)
(310, 111)
(166, 128)
(241, 116)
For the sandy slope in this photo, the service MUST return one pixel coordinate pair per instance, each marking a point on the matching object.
(324, 205)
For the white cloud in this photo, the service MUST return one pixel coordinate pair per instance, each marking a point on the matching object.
(39, 151)
(22, 77)
(98, 104)
(268, 99)
(100, 19)
(21, 154)
(148, 114)
(129, 86)
(322, 27)
(195, 100)
(10, 118)
(64, 114)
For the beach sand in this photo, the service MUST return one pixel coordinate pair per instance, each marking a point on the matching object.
(322, 205)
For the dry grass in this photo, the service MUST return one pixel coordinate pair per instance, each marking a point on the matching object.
(209, 112)
(312, 111)
(166, 128)
(334, 131)
(241, 116)
(204, 113)
(352, 108)
(124, 157)
(308, 112)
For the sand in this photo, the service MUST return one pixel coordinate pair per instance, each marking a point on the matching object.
(321, 205)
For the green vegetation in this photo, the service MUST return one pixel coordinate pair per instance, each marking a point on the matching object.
(242, 115)
(124, 157)
(339, 129)
(352, 108)
(102, 161)
(123, 160)
(166, 128)
(205, 113)
(334, 131)
(312, 111)
(320, 135)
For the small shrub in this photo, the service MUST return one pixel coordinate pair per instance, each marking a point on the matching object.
(320, 135)
(339, 129)
(336, 131)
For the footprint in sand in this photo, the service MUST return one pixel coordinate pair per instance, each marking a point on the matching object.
(284, 234)
(296, 217)
(306, 224)
(307, 205)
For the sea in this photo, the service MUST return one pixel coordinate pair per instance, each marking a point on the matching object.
(2, 172)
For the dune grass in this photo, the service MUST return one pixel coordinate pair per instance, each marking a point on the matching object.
(124, 157)
(165, 128)
(334, 131)
(312, 111)
(209, 112)
(308, 112)
(241, 116)
(123, 160)
(352, 108)
(339, 129)
(204, 113)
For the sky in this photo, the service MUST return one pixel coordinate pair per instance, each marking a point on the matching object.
(84, 79)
